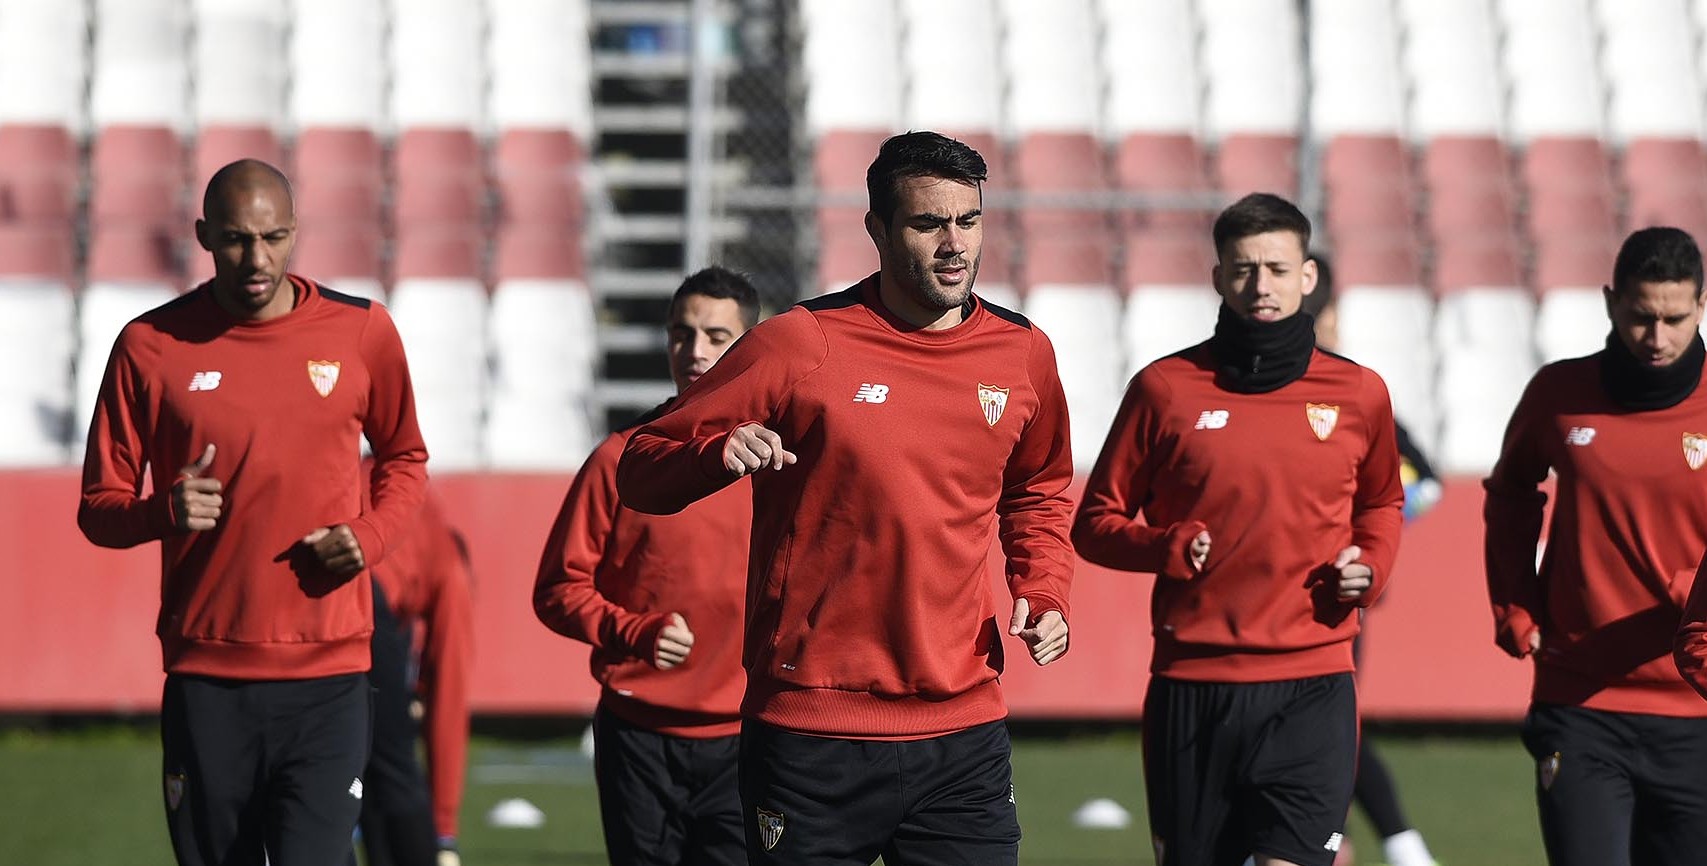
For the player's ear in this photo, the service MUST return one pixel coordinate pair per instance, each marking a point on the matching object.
(1309, 273)
(201, 235)
(876, 229)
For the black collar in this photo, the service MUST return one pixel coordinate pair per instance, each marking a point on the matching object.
(1641, 388)
(1258, 357)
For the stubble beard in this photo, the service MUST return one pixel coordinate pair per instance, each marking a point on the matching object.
(923, 286)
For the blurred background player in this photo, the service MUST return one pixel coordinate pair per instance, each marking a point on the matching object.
(635, 586)
(1618, 736)
(421, 596)
(260, 384)
(1268, 480)
(1375, 790)
(891, 429)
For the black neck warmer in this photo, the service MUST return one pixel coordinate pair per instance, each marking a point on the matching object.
(1259, 357)
(1639, 387)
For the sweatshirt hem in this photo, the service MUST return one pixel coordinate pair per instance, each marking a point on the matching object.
(856, 715)
(268, 661)
(670, 721)
(1219, 664)
(1658, 698)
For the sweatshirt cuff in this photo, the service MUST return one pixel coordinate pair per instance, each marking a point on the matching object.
(162, 517)
(1513, 631)
(711, 455)
(1038, 605)
(642, 636)
(373, 550)
(1179, 538)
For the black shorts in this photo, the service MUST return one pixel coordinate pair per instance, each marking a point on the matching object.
(667, 800)
(818, 801)
(397, 808)
(1615, 789)
(1236, 769)
(264, 771)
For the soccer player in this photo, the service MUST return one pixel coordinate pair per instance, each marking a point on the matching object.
(892, 431)
(228, 428)
(660, 600)
(1257, 477)
(422, 586)
(1617, 734)
(1375, 790)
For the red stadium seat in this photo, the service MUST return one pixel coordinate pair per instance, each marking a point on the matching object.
(321, 151)
(36, 148)
(539, 253)
(1167, 258)
(1376, 260)
(845, 253)
(1664, 163)
(1356, 206)
(1452, 162)
(338, 251)
(38, 251)
(46, 198)
(537, 149)
(452, 199)
(1366, 160)
(436, 253)
(1067, 170)
(1570, 209)
(1477, 263)
(437, 150)
(1557, 163)
(840, 158)
(141, 200)
(339, 196)
(1683, 206)
(1065, 261)
(1574, 261)
(131, 254)
(542, 196)
(1472, 210)
(1163, 165)
(1258, 163)
(139, 152)
(218, 146)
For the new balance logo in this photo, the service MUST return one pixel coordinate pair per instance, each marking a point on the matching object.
(1333, 843)
(1579, 436)
(1213, 419)
(869, 393)
(205, 381)
(356, 789)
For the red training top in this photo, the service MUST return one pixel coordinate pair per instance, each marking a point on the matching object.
(1628, 528)
(426, 581)
(285, 401)
(1283, 481)
(869, 612)
(610, 576)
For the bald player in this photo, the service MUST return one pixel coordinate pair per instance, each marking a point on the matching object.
(228, 429)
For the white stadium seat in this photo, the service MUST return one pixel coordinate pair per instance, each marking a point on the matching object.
(443, 325)
(1648, 55)
(103, 309)
(1570, 323)
(1451, 60)
(240, 62)
(1253, 60)
(852, 65)
(1161, 320)
(1550, 61)
(438, 73)
(527, 434)
(977, 102)
(544, 338)
(1083, 323)
(1354, 63)
(540, 59)
(44, 55)
(140, 71)
(1050, 50)
(1150, 63)
(37, 324)
(337, 63)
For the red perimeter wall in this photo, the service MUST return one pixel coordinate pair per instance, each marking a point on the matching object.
(77, 622)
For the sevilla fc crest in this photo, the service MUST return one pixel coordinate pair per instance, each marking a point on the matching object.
(770, 828)
(1548, 769)
(1695, 449)
(174, 790)
(1322, 417)
(324, 375)
(994, 400)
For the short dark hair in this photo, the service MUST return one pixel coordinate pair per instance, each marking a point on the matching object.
(1323, 295)
(1260, 213)
(1659, 254)
(720, 283)
(918, 154)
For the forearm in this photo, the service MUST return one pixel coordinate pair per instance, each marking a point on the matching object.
(399, 488)
(1375, 532)
(120, 519)
(1116, 541)
(661, 475)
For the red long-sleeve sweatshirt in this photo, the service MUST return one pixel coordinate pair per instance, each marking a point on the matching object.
(426, 581)
(1628, 528)
(610, 576)
(1283, 481)
(869, 613)
(285, 402)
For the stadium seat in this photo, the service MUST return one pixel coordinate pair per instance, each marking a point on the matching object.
(547, 198)
(1150, 66)
(47, 45)
(1171, 171)
(1480, 391)
(37, 329)
(1388, 328)
(1651, 163)
(155, 201)
(531, 150)
(539, 55)
(1451, 61)
(1570, 210)
(1355, 71)
(522, 434)
(337, 64)
(1472, 212)
(137, 151)
(845, 90)
(218, 146)
(1474, 263)
(1055, 85)
(1464, 162)
(437, 65)
(1083, 321)
(1683, 206)
(36, 252)
(103, 309)
(1558, 163)
(339, 254)
(240, 62)
(1366, 159)
(1550, 60)
(1570, 323)
(48, 198)
(140, 73)
(1378, 260)
(1068, 171)
(925, 57)
(1490, 321)
(1379, 205)
(123, 254)
(439, 178)
(333, 197)
(1162, 319)
(1251, 55)
(1647, 51)
(537, 252)
(443, 325)
(436, 253)
(544, 339)
(1258, 163)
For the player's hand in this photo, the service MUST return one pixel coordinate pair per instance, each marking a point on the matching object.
(196, 501)
(1535, 641)
(674, 643)
(336, 549)
(1047, 640)
(752, 447)
(1355, 578)
(1198, 554)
